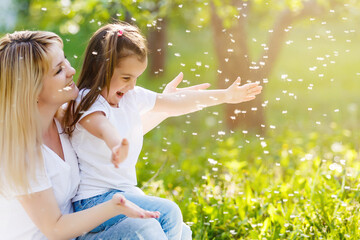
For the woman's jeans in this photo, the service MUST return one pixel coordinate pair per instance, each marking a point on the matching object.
(168, 226)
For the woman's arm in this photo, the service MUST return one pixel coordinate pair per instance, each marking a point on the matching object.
(43, 210)
(179, 103)
(98, 125)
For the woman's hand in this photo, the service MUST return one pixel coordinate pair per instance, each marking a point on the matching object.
(237, 94)
(130, 209)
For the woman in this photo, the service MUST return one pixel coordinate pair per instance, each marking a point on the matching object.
(38, 167)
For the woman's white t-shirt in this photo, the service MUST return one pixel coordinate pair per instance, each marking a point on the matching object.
(62, 176)
(98, 175)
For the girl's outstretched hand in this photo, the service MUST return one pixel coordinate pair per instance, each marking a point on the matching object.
(171, 87)
(124, 206)
(237, 94)
(120, 152)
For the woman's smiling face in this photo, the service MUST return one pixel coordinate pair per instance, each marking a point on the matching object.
(123, 79)
(58, 85)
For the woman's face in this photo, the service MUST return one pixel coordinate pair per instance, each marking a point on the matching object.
(124, 78)
(58, 85)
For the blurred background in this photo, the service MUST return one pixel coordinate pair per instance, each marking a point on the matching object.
(285, 165)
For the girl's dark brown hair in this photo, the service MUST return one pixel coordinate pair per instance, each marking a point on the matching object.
(106, 48)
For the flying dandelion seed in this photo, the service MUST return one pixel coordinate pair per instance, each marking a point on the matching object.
(337, 147)
(212, 161)
(233, 232)
(335, 166)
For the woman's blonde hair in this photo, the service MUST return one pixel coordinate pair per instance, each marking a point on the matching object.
(24, 59)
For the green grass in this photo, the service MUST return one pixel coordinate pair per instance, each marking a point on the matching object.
(300, 180)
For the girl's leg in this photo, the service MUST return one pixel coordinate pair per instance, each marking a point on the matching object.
(170, 214)
(186, 233)
(129, 229)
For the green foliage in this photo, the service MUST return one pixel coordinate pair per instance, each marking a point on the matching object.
(72, 16)
(87, 15)
(298, 181)
(306, 186)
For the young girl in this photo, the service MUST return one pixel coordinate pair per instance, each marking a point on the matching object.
(39, 172)
(110, 108)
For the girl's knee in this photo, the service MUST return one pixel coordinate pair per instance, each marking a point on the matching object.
(186, 232)
(148, 230)
(173, 211)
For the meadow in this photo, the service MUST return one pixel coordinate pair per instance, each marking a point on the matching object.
(300, 179)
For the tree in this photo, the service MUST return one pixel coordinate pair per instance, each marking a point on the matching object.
(231, 22)
(231, 47)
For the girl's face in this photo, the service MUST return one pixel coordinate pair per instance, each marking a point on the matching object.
(124, 79)
(58, 85)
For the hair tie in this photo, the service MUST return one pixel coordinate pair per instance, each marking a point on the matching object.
(120, 33)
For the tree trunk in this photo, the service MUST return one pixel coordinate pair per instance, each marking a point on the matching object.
(234, 60)
(157, 47)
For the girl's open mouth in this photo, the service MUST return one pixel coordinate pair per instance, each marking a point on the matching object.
(119, 94)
